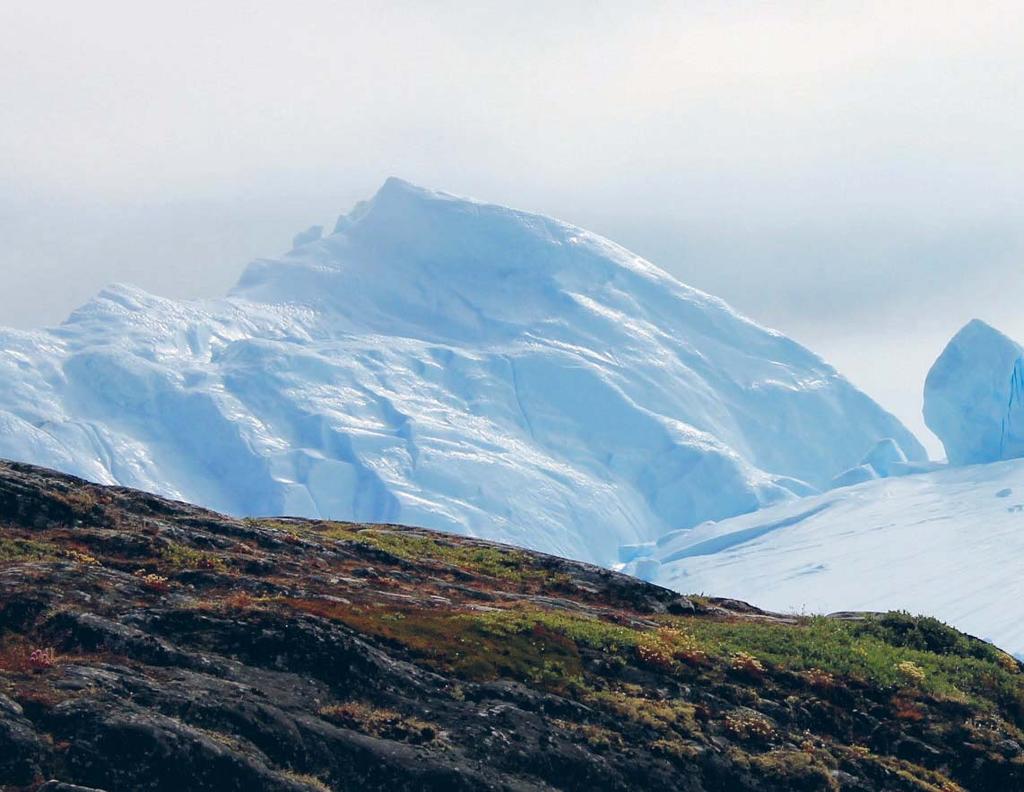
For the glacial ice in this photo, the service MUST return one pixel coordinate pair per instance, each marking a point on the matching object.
(445, 363)
(974, 396)
(885, 457)
(311, 234)
(855, 475)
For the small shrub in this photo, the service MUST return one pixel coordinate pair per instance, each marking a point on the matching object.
(183, 557)
(795, 770)
(692, 657)
(238, 600)
(654, 653)
(907, 710)
(673, 749)
(1008, 662)
(661, 649)
(748, 726)
(80, 501)
(911, 670)
(152, 581)
(82, 558)
(746, 663)
(660, 715)
(597, 737)
(43, 658)
(820, 680)
(923, 633)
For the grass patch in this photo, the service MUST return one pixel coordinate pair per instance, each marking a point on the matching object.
(504, 563)
(661, 715)
(476, 646)
(307, 780)
(882, 651)
(597, 737)
(543, 647)
(18, 656)
(181, 556)
(26, 550)
(80, 501)
(580, 630)
(495, 562)
(380, 722)
(797, 769)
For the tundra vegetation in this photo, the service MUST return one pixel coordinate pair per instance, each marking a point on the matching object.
(146, 644)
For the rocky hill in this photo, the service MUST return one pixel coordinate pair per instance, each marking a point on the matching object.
(150, 645)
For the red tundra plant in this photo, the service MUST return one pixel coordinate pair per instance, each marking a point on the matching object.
(41, 659)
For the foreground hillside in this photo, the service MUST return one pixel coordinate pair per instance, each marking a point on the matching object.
(151, 645)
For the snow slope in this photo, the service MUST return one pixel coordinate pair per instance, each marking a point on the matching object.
(945, 543)
(446, 363)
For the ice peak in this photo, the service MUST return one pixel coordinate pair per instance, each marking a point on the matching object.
(398, 197)
(429, 257)
(973, 396)
(977, 329)
(394, 186)
(396, 192)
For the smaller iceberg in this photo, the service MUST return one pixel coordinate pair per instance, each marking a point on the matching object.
(974, 396)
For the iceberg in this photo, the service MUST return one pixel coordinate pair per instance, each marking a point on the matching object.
(974, 396)
(446, 363)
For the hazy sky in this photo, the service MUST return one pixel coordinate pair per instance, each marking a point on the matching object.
(847, 172)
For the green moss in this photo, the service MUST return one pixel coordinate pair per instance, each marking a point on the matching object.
(581, 630)
(380, 722)
(79, 501)
(661, 715)
(881, 651)
(926, 634)
(544, 646)
(505, 563)
(184, 557)
(876, 651)
(796, 769)
(508, 564)
(470, 645)
(597, 737)
(306, 780)
(541, 646)
(917, 777)
(674, 748)
(12, 549)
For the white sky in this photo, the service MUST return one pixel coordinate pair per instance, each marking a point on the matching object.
(848, 172)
